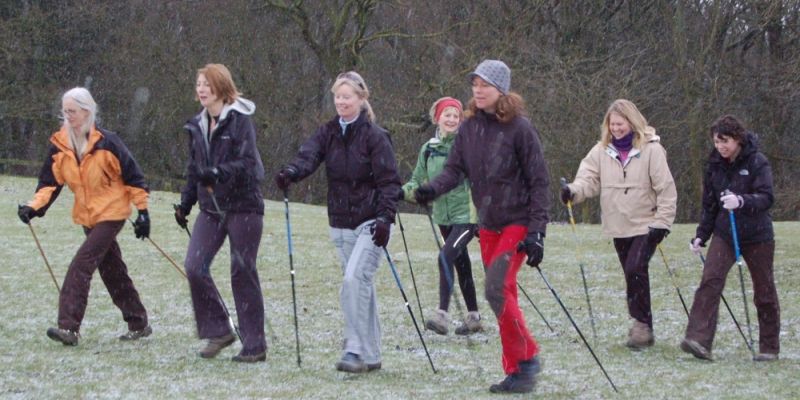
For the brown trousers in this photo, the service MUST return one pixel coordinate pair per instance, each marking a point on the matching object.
(99, 251)
(705, 309)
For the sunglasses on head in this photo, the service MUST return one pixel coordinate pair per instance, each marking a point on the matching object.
(352, 76)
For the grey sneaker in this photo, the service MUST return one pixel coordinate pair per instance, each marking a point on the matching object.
(765, 357)
(472, 324)
(696, 349)
(215, 345)
(351, 362)
(439, 322)
(66, 337)
(136, 335)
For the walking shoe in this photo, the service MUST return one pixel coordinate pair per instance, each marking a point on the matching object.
(696, 349)
(67, 337)
(374, 366)
(439, 322)
(215, 345)
(135, 335)
(640, 336)
(765, 357)
(250, 358)
(471, 324)
(522, 381)
(351, 362)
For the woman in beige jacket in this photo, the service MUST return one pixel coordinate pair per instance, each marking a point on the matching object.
(628, 169)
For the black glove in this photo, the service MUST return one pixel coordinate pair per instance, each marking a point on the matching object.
(566, 194)
(285, 177)
(424, 194)
(141, 227)
(402, 195)
(656, 235)
(26, 213)
(181, 213)
(533, 247)
(208, 176)
(380, 232)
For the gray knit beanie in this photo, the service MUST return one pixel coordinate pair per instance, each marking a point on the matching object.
(495, 73)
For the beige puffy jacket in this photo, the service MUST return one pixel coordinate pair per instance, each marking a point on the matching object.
(633, 197)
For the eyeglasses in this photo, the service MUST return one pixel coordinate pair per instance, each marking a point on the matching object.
(353, 76)
(69, 113)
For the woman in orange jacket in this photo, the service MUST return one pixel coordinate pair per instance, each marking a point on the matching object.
(105, 179)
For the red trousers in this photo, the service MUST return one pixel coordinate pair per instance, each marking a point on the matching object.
(502, 262)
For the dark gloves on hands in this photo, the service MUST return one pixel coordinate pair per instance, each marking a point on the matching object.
(141, 227)
(656, 235)
(208, 176)
(26, 213)
(401, 195)
(424, 194)
(566, 194)
(533, 245)
(380, 232)
(285, 177)
(181, 213)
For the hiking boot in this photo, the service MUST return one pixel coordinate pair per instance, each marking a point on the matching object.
(765, 357)
(215, 345)
(439, 322)
(696, 349)
(472, 324)
(136, 335)
(373, 367)
(351, 362)
(522, 381)
(640, 336)
(250, 358)
(67, 337)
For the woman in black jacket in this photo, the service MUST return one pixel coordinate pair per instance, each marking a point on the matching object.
(738, 180)
(224, 175)
(363, 187)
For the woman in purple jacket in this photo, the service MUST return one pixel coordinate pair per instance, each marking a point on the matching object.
(738, 180)
(498, 150)
(363, 187)
(224, 175)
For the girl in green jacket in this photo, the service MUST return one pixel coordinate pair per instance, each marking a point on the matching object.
(455, 215)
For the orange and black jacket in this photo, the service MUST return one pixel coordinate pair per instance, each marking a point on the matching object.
(105, 181)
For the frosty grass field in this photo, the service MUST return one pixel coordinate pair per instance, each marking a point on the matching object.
(165, 365)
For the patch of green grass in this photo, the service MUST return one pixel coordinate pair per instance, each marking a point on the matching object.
(165, 365)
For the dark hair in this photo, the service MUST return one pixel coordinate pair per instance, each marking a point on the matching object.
(730, 126)
(508, 106)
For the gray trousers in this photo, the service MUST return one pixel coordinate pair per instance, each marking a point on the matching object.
(360, 259)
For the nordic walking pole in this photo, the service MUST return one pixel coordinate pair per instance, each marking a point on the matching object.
(738, 252)
(535, 308)
(580, 259)
(735, 322)
(408, 307)
(408, 258)
(563, 307)
(291, 271)
(46, 263)
(672, 278)
(445, 266)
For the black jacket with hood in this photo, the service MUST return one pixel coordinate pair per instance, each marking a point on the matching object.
(232, 149)
(750, 176)
(363, 182)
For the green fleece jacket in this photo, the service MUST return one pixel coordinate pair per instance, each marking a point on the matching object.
(453, 207)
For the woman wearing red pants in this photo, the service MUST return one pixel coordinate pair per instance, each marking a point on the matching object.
(498, 150)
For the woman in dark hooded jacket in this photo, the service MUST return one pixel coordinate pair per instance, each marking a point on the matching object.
(738, 180)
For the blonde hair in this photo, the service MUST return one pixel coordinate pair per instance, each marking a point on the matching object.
(354, 80)
(85, 101)
(221, 82)
(626, 109)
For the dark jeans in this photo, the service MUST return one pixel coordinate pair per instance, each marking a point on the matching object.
(244, 234)
(705, 309)
(454, 256)
(634, 254)
(99, 251)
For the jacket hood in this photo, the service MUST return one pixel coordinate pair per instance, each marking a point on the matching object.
(650, 135)
(242, 105)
